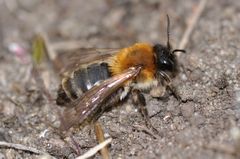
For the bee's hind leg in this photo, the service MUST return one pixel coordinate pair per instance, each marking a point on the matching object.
(138, 100)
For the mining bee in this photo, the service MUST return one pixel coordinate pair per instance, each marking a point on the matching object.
(103, 78)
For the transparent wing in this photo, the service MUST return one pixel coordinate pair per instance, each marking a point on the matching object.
(71, 60)
(92, 100)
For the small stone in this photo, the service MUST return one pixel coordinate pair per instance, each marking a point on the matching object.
(8, 109)
(167, 117)
(187, 109)
(221, 83)
(197, 119)
(196, 75)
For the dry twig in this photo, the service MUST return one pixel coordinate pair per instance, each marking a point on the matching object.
(225, 148)
(22, 147)
(100, 137)
(95, 149)
(191, 25)
(145, 129)
(67, 45)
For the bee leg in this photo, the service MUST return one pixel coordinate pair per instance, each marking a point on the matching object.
(139, 101)
(174, 92)
(76, 147)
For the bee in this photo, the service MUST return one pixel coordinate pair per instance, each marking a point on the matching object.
(103, 78)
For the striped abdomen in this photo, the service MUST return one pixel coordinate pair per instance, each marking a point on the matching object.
(80, 81)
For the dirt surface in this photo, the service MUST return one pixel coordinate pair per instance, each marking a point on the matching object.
(204, 125)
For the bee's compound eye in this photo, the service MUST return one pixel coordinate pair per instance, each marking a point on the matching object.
(166, 64)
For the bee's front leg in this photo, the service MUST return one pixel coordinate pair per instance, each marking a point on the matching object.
(174, 92)
(138, 100)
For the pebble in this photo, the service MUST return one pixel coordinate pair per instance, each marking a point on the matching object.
(197, 119)
(187, 109)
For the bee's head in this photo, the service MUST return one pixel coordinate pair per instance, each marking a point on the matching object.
(165, 58)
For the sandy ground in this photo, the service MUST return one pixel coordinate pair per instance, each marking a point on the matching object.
(204, 125)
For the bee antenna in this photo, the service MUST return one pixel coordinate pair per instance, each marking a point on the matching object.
(168, 32)
(178, 50)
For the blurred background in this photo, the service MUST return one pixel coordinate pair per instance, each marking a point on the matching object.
(114, 22)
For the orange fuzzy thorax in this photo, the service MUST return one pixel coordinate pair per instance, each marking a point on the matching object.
(137, 54)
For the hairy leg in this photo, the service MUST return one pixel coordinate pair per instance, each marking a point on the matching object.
(139, 101)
